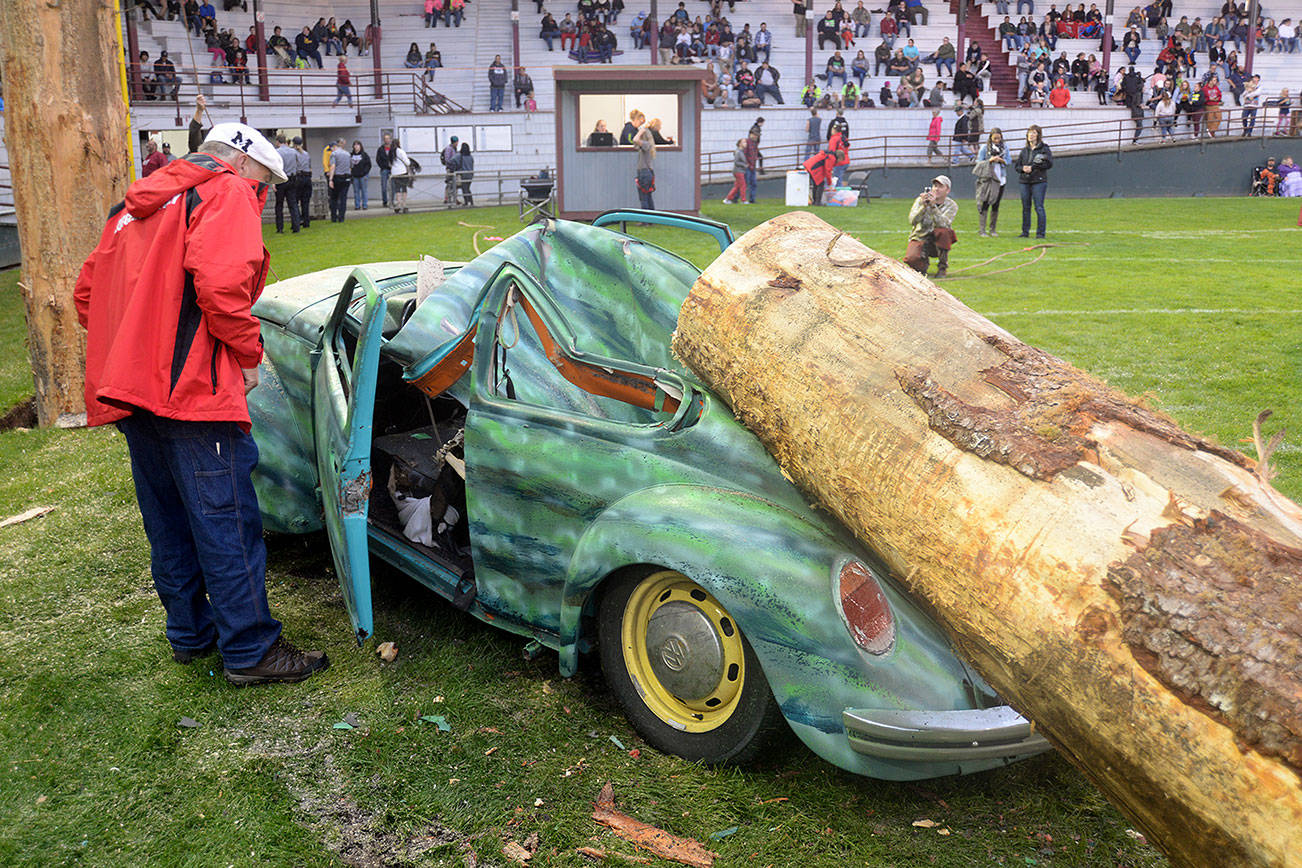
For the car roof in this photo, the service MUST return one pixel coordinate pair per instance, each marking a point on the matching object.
(619, 295)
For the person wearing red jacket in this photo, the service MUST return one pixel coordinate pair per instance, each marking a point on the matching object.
(1060, 95)
(820, 168)
(1212, 99)
(172, 348)
(154, 159)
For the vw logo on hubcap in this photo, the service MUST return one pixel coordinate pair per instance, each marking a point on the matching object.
(674, 652)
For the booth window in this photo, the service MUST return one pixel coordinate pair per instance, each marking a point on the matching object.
(612, 110)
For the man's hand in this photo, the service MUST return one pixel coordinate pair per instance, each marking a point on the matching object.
(201, 102)
(250, 379)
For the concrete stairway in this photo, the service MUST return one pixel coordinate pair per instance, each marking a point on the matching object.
(1003, 78)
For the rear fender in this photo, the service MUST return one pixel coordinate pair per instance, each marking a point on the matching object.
(772, 570)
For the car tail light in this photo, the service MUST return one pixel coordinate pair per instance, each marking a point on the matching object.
(865, 610)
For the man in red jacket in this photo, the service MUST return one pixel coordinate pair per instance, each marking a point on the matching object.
(172, 348)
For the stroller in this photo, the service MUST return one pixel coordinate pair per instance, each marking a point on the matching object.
(1265, 180)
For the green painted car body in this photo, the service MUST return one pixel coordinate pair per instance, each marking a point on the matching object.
(566, 487)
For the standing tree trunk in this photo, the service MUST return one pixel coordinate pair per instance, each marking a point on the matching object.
(69, 156)
(1133, 589)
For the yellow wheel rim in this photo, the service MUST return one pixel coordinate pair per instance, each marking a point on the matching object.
(683, 651)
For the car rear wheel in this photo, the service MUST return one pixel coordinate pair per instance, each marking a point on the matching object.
(686, 677)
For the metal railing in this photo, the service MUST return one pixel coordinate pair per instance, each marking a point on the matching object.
(500, 187)
(1113, 134)
(408, 89)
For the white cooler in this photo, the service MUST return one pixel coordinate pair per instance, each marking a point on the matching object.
(797, 189)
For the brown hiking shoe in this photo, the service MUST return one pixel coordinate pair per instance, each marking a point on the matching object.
(282, 663)
(185, 656)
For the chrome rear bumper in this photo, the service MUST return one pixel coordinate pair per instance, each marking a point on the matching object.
(942, 736)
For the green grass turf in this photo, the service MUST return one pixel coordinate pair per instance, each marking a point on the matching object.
(1189, 301)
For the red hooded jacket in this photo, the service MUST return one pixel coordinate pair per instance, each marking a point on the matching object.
(166, 296)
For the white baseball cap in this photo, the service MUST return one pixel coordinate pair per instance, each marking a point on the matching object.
(942, 179)
(245, 138)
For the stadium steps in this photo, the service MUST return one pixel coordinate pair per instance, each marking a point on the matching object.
(1003, 78)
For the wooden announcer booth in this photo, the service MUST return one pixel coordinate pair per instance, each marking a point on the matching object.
(595, 173)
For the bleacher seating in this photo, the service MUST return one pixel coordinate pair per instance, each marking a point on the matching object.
(486, 31)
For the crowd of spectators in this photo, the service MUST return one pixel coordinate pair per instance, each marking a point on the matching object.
(1196, 70)
(1181, 99)
(229, 55)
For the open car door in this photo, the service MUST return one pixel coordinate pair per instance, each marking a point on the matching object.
(343, 406)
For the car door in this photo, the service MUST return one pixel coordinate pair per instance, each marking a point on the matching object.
(343, 406)
(545, 454)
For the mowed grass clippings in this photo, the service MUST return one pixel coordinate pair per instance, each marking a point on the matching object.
(1189, 302)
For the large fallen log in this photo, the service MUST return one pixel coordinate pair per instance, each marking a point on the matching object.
(1134, 589)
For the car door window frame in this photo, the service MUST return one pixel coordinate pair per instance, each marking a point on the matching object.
(487, 346)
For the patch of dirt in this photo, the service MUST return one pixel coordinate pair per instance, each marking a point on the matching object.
(315, 782)
(20, 416)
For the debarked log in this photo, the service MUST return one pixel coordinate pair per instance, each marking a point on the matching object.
(1134, 589)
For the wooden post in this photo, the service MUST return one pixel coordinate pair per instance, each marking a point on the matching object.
(1130, 587)
(959, 46)
(809, 45)
(260, 33)
(375, 49)
(133, 56)
(1107, 37)
(70, 155)
(1253, 11)
(515, 37)
(654, 41)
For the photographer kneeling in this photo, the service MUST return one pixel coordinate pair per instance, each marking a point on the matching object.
(932, 218)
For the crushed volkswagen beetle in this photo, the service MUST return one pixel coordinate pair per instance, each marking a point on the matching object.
(514, 434)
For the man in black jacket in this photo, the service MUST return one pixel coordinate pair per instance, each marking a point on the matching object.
(766, 82)
(384, 159)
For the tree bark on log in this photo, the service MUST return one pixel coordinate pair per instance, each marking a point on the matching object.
(69, 157)
(1133, 589)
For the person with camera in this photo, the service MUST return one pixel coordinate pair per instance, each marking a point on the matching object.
(932, 227)
(1032, 166)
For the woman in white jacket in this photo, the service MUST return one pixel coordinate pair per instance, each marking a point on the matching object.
(401, 175)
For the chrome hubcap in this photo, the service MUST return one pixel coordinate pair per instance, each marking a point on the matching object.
(684, 650)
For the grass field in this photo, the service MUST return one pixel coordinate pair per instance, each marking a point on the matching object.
(1192, 302)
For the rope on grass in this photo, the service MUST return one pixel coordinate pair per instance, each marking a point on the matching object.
(955, 274)
(1043, 248)
(478, 227)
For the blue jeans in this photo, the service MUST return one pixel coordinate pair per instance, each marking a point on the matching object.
(1012, 42)
(1132, 53)
(361, 198)
(1249, 121)
(384, 186)
(201, 516)
(946, 62)
(646, 178)
(549, 35)
(752, 183)
(495, 98)
(1033, 193)
(1030, 3)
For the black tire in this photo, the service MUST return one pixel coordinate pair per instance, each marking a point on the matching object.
(742, 730)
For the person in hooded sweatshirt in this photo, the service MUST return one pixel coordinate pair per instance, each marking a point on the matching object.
(172, 350)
